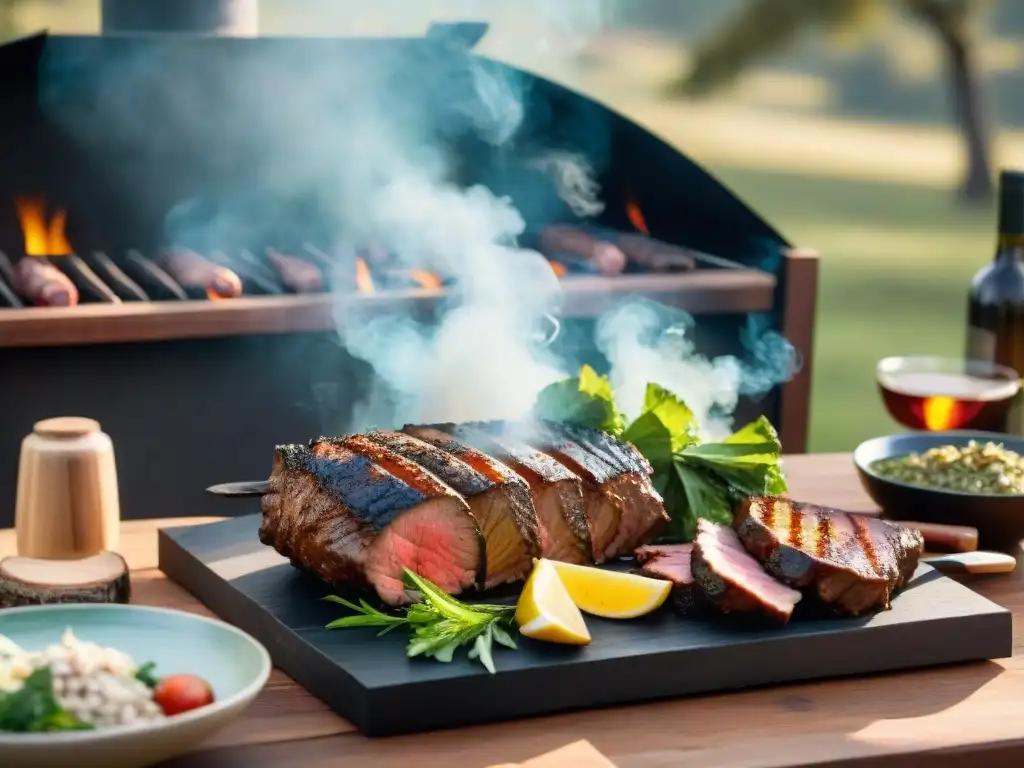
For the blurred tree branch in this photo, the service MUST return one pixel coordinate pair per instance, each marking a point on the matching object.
(765, 27)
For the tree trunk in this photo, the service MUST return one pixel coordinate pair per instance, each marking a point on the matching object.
(238, 18)
(968, 100)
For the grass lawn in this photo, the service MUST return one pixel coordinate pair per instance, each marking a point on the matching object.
(897, 263)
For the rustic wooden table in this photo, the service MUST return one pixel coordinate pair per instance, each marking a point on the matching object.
(952, 716)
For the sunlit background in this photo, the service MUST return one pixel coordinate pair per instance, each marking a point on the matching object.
(838, 127)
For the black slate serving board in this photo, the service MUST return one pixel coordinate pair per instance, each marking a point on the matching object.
(368, 680)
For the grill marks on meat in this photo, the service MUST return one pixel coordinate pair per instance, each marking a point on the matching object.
(499, 500)
(349, 517)
(623, 509)
(733, 580)
(853, 564)
(672, 562)
(555, 491)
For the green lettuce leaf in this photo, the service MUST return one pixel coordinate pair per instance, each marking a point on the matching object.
(586, 400)
(748, 460)
(665, 426)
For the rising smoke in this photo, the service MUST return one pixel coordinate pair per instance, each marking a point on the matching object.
(383, 173)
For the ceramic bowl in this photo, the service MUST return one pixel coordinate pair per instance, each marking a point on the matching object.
(999, 518)
(235, 665)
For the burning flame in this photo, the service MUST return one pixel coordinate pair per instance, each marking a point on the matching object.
(364, 280)
(42, 237)
(558, 269)
(426, 279)
(636, 217)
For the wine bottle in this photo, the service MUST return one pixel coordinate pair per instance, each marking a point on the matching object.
(995, 324)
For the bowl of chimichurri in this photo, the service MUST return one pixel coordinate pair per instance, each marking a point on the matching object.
(957, 478)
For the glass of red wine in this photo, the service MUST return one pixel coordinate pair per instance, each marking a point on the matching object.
(940, 393)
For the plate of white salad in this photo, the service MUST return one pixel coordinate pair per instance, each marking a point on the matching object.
(118, 686)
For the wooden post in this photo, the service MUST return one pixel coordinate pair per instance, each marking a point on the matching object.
(231, 18)
(799, 306)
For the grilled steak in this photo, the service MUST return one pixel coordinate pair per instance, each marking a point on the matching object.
(671, 562)
(500, 501)
(556, 492)
(852, 563)
(345, 517)
(623, 509)
(732, 580)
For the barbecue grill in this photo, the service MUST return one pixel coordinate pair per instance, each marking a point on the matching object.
(103, 169)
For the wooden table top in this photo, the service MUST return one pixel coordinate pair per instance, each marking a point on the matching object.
(947, 716)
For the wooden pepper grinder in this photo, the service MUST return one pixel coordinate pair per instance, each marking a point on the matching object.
(67, 500)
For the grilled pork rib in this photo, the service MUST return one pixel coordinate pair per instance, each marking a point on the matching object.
(499, 500)
(732, 580)
(852, 563)
(348, 518)
(556, 492)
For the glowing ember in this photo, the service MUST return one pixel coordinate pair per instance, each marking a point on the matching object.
(426, 279)
(558, 269)
(636, 217)
(364, 281)
(42, 237)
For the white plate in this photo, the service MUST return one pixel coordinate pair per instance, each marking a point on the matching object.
(235, 665)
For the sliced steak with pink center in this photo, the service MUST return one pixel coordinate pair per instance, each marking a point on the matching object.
(500, 501)
(672, 562)
(348, 518)
(556, 492)
(851, 563)
(732, 580)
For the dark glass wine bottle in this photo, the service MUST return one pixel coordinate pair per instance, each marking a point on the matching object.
(995, 325)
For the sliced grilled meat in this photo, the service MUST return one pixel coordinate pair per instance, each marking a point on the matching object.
(671, 562)
(347, 518)
(556, 492)
(852, 563)
(500, 501)
(732, 580)
(623, 509)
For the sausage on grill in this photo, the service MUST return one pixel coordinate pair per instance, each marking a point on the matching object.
(42, 284)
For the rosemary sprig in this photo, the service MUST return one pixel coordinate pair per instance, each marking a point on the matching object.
(439, 623)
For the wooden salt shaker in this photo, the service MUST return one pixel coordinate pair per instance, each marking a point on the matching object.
(67, 501)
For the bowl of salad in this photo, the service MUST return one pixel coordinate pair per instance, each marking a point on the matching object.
(118, 686)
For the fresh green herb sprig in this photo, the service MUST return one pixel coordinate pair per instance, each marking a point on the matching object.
(695, 479)
(440, 624)
(33, 708)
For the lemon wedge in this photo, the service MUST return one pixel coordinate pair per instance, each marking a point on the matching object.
(611, 594)
(546, 612)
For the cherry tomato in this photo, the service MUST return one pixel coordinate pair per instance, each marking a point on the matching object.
(182, 693)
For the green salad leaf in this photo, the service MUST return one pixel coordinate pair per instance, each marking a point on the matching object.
(586, 400)
(695, 479)
(33, 708)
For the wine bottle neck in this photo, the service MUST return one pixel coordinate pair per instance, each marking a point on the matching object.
(1009, 241)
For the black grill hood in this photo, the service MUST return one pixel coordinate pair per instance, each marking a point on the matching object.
(100, 129)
